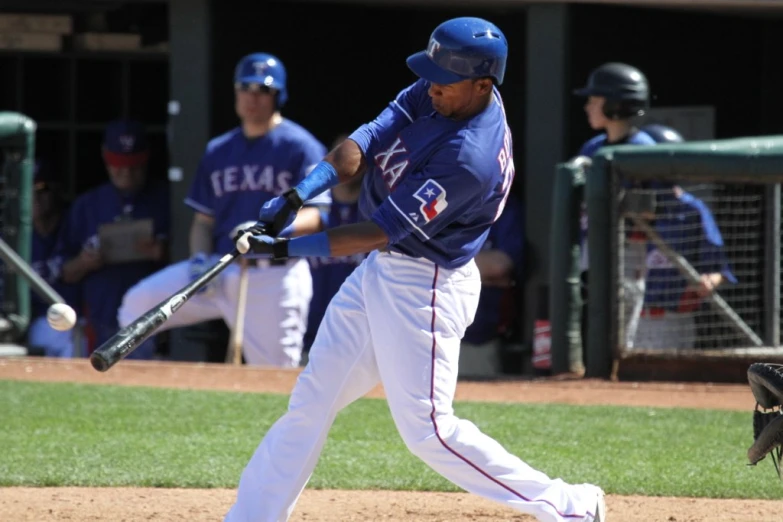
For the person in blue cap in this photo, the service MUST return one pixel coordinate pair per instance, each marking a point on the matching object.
(240, 170)
(128, 196)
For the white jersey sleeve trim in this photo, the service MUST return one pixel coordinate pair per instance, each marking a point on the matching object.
(403, 111)
(198, 206)
(414, 225)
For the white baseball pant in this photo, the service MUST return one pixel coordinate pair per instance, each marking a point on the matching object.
(278, 301)
(397, 320)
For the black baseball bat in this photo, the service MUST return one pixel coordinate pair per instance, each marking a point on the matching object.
(130, 337)
(36, 282)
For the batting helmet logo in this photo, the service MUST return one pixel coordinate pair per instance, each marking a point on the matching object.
(433, 48)
(127, 141)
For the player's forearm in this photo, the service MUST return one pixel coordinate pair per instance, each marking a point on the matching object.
(347, 159)
(356, 238)
(308, 221)
(201, 234)
(340, 165)
(74, 271)
(346, 240)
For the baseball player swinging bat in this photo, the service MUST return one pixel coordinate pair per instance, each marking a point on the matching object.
(130, 337)
(691, 275)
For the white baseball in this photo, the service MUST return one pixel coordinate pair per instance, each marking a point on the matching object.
(61, 317)
(243, 245)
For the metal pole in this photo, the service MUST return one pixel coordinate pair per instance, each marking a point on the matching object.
(772, 265)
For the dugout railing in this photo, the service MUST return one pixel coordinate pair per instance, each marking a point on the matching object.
(646, 236)
(17, 153)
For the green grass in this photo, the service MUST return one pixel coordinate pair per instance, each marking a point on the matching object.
(55, 434)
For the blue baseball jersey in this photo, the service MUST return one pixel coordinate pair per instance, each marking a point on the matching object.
(237, 175)
(103, 289)
(589, 148)
(592, 145)
(329, 272)
(687, 225)
(47, 264)
(435, 185)
(506, 235)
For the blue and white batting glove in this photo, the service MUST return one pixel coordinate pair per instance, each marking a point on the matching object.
(198, 264)
(280, 212)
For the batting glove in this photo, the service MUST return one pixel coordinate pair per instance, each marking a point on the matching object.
(266, 245)
(198, 264)
(279, 212)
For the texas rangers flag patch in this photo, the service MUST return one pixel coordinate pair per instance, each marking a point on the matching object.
(433, 199)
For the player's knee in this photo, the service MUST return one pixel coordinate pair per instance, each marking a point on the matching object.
(427, 435)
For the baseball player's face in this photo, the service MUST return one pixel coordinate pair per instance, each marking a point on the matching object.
(127, 179)
(457, 100)
(594, 108)
(255, 106)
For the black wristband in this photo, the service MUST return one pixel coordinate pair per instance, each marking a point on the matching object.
(280, 249)
(293, 199)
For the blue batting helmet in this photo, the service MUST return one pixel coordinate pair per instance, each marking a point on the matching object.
(262, 70)
(462, 48)
(662, 134)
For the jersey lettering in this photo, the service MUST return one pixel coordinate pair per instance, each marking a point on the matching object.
(506, 162)
(392, 173)
(249, 178)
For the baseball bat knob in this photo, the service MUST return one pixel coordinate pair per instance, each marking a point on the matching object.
(99, 362)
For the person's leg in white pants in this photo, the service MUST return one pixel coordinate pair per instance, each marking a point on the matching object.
(416, 335)
(151, 290)
(340, 370)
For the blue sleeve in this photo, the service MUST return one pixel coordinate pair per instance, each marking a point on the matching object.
(590, 147)
(712, 255)
(312, 153)
(410, 104)
(201, 196)
(428, 200)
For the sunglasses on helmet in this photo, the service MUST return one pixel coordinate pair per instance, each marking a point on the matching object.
(253, 87)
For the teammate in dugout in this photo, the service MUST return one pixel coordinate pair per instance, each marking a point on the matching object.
(128, 196)
(438, 167)
(241, 170)
(329, 273)
(617, 93)
(49, 210)
(667, 318)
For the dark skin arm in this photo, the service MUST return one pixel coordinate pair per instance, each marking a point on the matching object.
(347, 159)
(356, 238)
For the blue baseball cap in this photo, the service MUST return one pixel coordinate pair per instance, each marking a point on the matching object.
(125, 144)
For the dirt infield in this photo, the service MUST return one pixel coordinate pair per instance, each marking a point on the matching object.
(164, 505)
